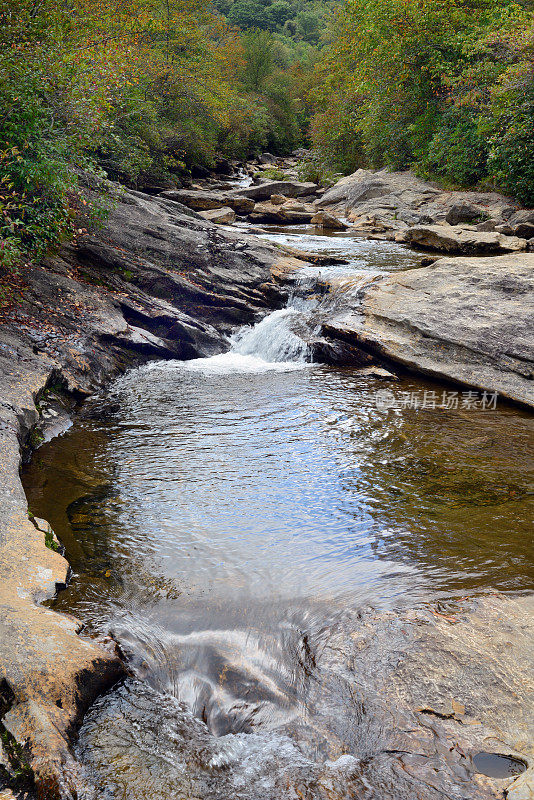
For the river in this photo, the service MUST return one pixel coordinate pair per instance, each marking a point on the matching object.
(226, 517)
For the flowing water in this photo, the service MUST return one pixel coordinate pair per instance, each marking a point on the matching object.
(226, 517)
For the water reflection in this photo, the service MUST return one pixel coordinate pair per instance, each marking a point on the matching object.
(222, 515)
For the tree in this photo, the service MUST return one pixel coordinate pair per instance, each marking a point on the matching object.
(258, 52)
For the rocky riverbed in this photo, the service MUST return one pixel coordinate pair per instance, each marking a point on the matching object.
(162, 282)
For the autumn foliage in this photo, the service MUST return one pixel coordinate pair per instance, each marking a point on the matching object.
(445, 87)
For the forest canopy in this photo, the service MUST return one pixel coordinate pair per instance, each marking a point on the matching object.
(445, 87)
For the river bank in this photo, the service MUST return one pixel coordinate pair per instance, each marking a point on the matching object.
(160, 282)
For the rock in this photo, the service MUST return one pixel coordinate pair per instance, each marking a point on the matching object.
(464, 212)
(488, 225)
(300, 152)
(519, 217)
(223, 166)
(299, 205)
(202, 200)
(522, 788)
(241, 205)
(378, 372)
(455, 239)
(198, 171)
(278, 199)
(530, 245)
(267, 213)
(468, 320)
(221, 216)
(398, 199)
(525, 230)
(197, 199)
(323, 219)
(267, 158)
(264, 191)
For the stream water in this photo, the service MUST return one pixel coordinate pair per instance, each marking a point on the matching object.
(222, 515)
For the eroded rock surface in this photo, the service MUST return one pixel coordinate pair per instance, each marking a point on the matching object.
(264, 191)
(463, 241)
(387, 705)
(157, 282)
(399, 199)
(468, 320)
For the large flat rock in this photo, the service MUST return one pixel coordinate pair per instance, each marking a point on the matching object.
(398, 199)
(462, 240)
(468, 320)
(264, 191)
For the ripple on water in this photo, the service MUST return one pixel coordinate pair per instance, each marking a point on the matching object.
(220, 515)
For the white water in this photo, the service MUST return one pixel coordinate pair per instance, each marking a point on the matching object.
(269, 345)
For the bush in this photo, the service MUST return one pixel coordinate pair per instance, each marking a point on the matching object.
(511, 160)
(457, 152)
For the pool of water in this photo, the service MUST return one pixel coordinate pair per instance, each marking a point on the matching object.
(221, 515)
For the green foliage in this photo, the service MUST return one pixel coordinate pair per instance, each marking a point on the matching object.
(443, 86)
(139, 92)
(511, 126)
(457, 152)
(272, 173)
(258, 53)
(316, 170)
(298, 19)
(50, 541)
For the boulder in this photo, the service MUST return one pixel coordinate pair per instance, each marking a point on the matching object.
(205, 200)
(267, 158)
(516, 217)
(525, 230)
(277, 199)
(197, 199)
(264, 191)
(268, 213)
(323, 219)
(400, 198)
(455, 239)
(299, 205)
(241, 205)
(221, 216)
(461, 213)
(488, 225)
(464, 319)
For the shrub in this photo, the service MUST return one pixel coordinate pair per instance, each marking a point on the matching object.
(457, 152)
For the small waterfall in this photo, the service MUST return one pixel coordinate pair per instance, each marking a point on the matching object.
(272, 339)
(280, 341)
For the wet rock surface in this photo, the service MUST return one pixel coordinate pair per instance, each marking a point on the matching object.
(157, 282)
(389, 705)
(464, 319)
